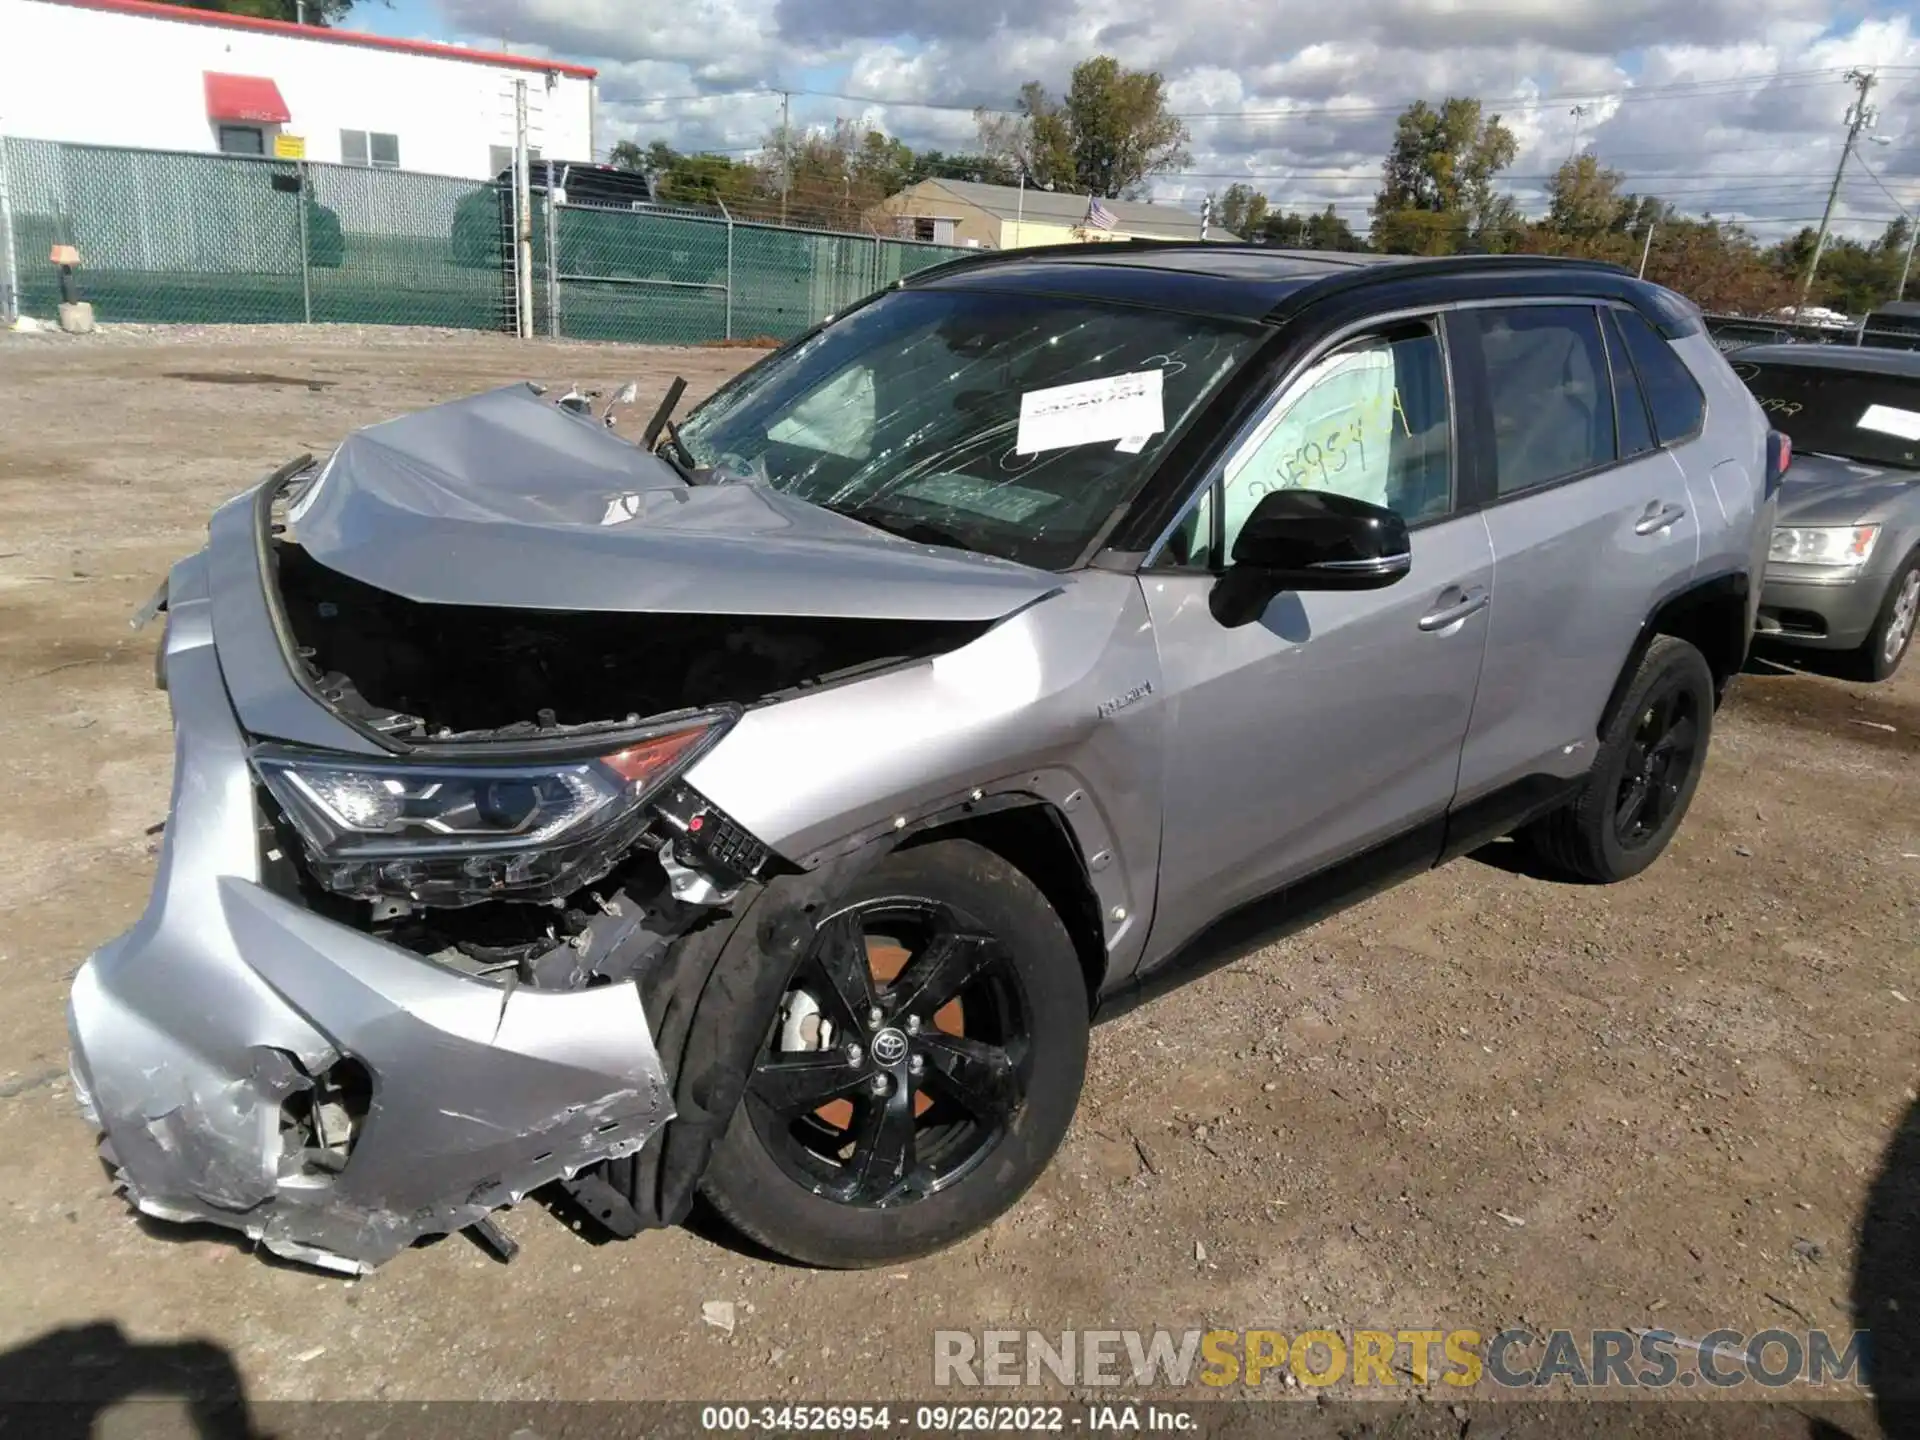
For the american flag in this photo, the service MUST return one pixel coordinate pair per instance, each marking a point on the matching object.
(1098, 216)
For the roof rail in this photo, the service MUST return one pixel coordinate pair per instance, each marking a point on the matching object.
(1443, 265)
(1072, 249)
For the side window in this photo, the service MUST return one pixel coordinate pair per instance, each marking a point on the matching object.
(1636, 431)
(1369, 420)
(1673, 395)
(1549, 391)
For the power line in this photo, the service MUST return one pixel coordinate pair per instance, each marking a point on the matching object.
(1680, 89)
(1874, 176)
(1731, 85)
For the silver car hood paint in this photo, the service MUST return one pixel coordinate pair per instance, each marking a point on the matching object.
(1826, 490)
(504, 499)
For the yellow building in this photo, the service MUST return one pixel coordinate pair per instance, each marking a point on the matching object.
(1009, 217)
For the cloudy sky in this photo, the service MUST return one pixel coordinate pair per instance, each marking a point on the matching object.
(1733, 106)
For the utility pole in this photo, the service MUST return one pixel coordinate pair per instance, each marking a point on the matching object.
(1579, 113)
(1646, 247)
(1860, 116)
(786, 151)
(1906, 265)
(522, 216)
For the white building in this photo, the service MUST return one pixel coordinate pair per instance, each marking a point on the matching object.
(135, 73)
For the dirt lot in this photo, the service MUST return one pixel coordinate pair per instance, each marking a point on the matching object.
(1481, 1100)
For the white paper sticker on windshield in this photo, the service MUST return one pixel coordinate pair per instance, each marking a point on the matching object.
(1089, 412)
(1891, 420)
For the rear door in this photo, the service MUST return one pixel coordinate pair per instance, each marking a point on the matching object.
(1591, 521)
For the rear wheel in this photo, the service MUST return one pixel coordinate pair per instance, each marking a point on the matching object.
(1644, 776)
(923, 1068)
(1887, 643)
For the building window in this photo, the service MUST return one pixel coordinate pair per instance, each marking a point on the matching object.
(242, 140)
(929, 229)
(500, 158)
(362, 147)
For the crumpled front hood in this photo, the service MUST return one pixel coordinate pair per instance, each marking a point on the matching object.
(1825, 490)
(504, 499)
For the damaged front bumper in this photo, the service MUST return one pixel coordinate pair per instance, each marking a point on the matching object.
(255, 1064)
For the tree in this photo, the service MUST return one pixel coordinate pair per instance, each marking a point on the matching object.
(706, 180)
(938, 165)
(1243, 210)
(1436, 193)
(1853, 277)
(1325, 230)
(1107, 136)
(316, 12)
(1584, 198)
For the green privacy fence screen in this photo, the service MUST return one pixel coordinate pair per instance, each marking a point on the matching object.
(172, 238)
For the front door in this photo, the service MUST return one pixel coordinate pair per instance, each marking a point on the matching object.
(1335, 721)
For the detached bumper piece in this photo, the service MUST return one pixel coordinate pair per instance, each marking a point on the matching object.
(335, 1097)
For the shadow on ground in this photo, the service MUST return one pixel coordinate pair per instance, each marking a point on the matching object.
(65, 1384)
(1886, 1282)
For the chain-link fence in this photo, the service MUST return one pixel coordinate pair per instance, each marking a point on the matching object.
(166, 237)
(667, 279)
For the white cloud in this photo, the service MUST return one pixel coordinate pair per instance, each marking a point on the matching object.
(1728, 105)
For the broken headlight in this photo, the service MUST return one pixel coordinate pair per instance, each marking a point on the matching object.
(459, 832)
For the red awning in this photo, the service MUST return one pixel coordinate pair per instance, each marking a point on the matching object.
(252, 99)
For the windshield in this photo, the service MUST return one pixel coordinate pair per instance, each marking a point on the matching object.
(1856, 415)
(1008, 424)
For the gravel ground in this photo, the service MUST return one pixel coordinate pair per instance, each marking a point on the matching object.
(1480, 1100)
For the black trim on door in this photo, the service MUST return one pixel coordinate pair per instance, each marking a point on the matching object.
(1476, 486)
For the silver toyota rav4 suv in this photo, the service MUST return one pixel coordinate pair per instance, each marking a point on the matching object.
(763, 812)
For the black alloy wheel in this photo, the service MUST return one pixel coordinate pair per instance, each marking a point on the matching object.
(922, 1069)
(1660, 758)
(1649, 762)
(926, 1065)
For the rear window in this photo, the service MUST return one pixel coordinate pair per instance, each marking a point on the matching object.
(1673, 395)
(1857, 416)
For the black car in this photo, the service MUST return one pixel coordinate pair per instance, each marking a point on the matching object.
(1894, 326)
(483, 221)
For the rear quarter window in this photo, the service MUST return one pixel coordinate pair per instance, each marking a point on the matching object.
(1672, 394)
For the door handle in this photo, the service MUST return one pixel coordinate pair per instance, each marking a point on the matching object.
(1470, 602)
(1659, 517)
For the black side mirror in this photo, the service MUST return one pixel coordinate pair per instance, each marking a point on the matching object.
(1310, 540)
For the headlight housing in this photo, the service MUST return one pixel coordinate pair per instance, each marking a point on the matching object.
(1838, 545)
(458, 832)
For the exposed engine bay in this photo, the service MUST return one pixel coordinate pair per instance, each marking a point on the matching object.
(423, 672)
(439, 916)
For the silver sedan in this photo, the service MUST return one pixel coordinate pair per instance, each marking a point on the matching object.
(1843, 571)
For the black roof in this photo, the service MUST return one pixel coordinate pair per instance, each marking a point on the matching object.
(1256, 282)
(1862, 359)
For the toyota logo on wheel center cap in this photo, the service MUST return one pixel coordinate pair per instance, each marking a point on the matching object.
(890, 1047)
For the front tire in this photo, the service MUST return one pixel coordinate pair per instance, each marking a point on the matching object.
(925, 1066)
(1887, 643)
(1644, 776)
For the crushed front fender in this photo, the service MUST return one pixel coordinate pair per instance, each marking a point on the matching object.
(208, 1038)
